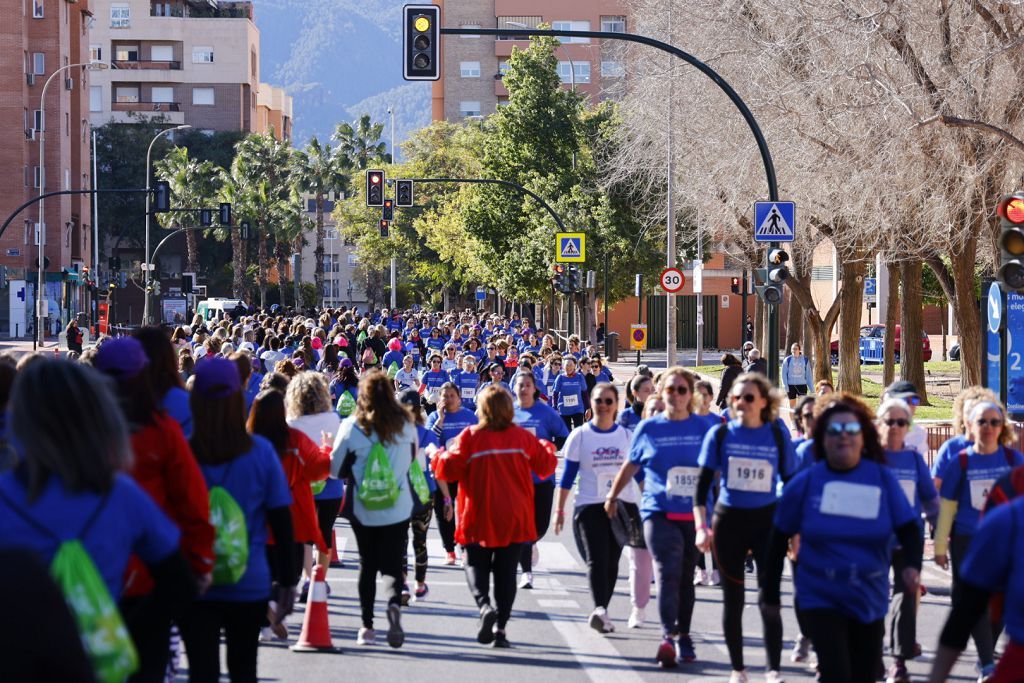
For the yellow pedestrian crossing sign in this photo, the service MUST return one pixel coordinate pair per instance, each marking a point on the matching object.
(571, 247)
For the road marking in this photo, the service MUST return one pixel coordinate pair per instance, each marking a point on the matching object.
(572, 604)
(598, 658)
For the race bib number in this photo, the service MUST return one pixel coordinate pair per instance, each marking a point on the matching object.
(415, 350)
(604, 483)
(909, 490)
(750, 474)
(468, 392)
(682, 481)
(979, 492)
(845, 499)
(570, 400)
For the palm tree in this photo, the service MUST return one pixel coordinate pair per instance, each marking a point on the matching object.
(233, 190)
(194, 184)
(361, 144)
(321, 169)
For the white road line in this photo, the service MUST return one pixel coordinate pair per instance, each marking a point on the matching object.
(571, 604)
(596, 656)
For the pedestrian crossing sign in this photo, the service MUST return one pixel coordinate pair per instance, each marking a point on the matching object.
(774, 221)
(570, 247)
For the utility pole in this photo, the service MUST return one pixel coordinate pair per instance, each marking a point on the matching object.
(670, 222)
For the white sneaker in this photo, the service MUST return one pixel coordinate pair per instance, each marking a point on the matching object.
(600, 622)
(715, 579)
(738, 677)
(773, 677)
(526, 583)
(700, 577)
(266, 635)
(366, 636)
(535, 555)
(636, 618)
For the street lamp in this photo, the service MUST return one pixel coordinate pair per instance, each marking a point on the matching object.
(146, 265)
(394, 260)
(41, 235)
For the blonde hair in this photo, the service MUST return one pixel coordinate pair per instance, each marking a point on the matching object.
(307, 394)
(969, 395)
(1006, 434)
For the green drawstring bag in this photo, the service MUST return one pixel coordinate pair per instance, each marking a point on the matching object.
(419, 482)
(393, 370)
(231, 543)
(379, 489)
(318, 486)
(346, 404)
(104, 635)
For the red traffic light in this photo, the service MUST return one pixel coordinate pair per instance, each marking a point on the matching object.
(1012, 209)
(375, 178)
(559, 269)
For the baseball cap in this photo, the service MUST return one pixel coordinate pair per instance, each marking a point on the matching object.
(246, 347)
(901, 389)
(216, 378)
(121, 357)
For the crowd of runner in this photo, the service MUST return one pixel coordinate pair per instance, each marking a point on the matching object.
(185, 484)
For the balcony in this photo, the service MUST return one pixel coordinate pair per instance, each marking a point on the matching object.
(143, 106)
(201, 9)
(157, 64)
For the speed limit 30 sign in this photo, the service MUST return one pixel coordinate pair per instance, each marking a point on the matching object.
(672, 280)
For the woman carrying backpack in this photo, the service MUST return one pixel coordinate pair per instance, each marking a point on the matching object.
(164, 467)
(376, 447)
(69, 502)
(164, 376)
(248, 494)
(344, 388)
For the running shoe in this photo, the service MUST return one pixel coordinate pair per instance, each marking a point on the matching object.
(450, 559)
(739, 677)
(266, 635)
(773, 677)
(986, 672)
(534, 555)
(667, 656)
(396, 636)
(700, 577)
(600, 622)
(500, 641)
(526, 582)
(898, 673)
(687, 653)
(367, 636)
(636, 618)
(488, 618)
(422, 590)
(801, 649)
(715, 578)
(406, 595)
(304, 593)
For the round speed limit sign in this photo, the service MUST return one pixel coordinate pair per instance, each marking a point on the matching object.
(672, 280)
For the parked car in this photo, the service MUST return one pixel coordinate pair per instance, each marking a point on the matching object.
(954, 352)
(878, 332)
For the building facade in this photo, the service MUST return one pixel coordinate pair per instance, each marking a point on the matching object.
(470, 83)
(274, 111)
(344, 281)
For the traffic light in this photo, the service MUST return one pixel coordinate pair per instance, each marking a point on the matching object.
(777, 270)
(1011, 242)
(403, 193)
(384, 227)
(225, 213)
(375, 188)
(206, 217)
(161, 197)
(114, 263)
(186, 283)
(770, 294)
(245, 232)
(575, 279)
(388, 211)
(421, 42)
(735, 285)
(558, 281)
(156, 287)
(3, 277)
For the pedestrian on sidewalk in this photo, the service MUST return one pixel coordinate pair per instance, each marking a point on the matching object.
(733, 369)
(796, 373)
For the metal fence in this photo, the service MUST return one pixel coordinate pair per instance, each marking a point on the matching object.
(940, 432)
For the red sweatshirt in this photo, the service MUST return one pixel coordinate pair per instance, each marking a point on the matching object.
(493, 469)
(304, 462)
(166, 469)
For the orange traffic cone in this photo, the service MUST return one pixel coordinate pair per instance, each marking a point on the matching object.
(335, 560)
(316, 627)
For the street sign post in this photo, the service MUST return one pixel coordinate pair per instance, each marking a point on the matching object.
(1013, 360)
(672, 280)
(870, 290)
(774, 221)
(570, 247)
(638, 337)
(993, 346)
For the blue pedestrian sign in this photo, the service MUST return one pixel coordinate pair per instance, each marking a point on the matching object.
(993, 355)
(571, 247)
(870, 290)
(774, 221)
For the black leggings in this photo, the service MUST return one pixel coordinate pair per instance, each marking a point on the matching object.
(420, 523)
(150, 627)
(381, 550)
(982, 631)
(848, 651)
(446, 527)
(903, 615)
(480, 564)
(201, 627)
(573, 421)
(326, 512)
(737, 531)
(600, 549)
(543, 499)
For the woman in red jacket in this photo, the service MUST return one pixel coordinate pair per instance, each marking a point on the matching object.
(165, 468)
(303, 463)
(493, 461)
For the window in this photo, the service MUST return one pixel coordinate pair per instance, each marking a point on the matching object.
(37, 119)
(475, 35)
(617, 24)
(162, 53)
(502, 103)
(202, 55)
(126, 94)
(39, 63)
(571, 26)
(35, 183)
(37, 9)
(202, 96)
(120, 16)
(162, 94)
(126, 53)
(469, 69)
(582, 72)
(353, 260)
(469, 108)
(612, 69)
(96, 53)
(503, 68)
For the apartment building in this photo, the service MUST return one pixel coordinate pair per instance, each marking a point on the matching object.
(37, 39)
(470, 83)
(192, 62)
(274, 111)
(343, 286)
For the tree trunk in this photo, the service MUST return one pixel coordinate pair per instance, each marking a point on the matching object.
(191, 252)
(965, 310)
(759, 323)
(238, 265)
(261, 265)
(795, 317)
(892, 319)
(318, 272)
(911, 352)
(851, 301)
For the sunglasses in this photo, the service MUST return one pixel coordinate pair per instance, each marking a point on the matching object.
(837, 428)
(749, 398)
(682, 390)
(994, 422)
(897, 422)
(807, 416)
(603, 401)
(913, 400)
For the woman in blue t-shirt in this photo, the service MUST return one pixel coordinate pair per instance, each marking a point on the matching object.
(966, 481)
(639, 389)
(248, 468)
(846, 508)
(664, 450)
(963, 404)
(569, 393)
(447, 422)
(753, 454)
(894, 420)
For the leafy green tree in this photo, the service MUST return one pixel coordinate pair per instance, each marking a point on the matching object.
(194, 184)
(321, 169)
(361, 143)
